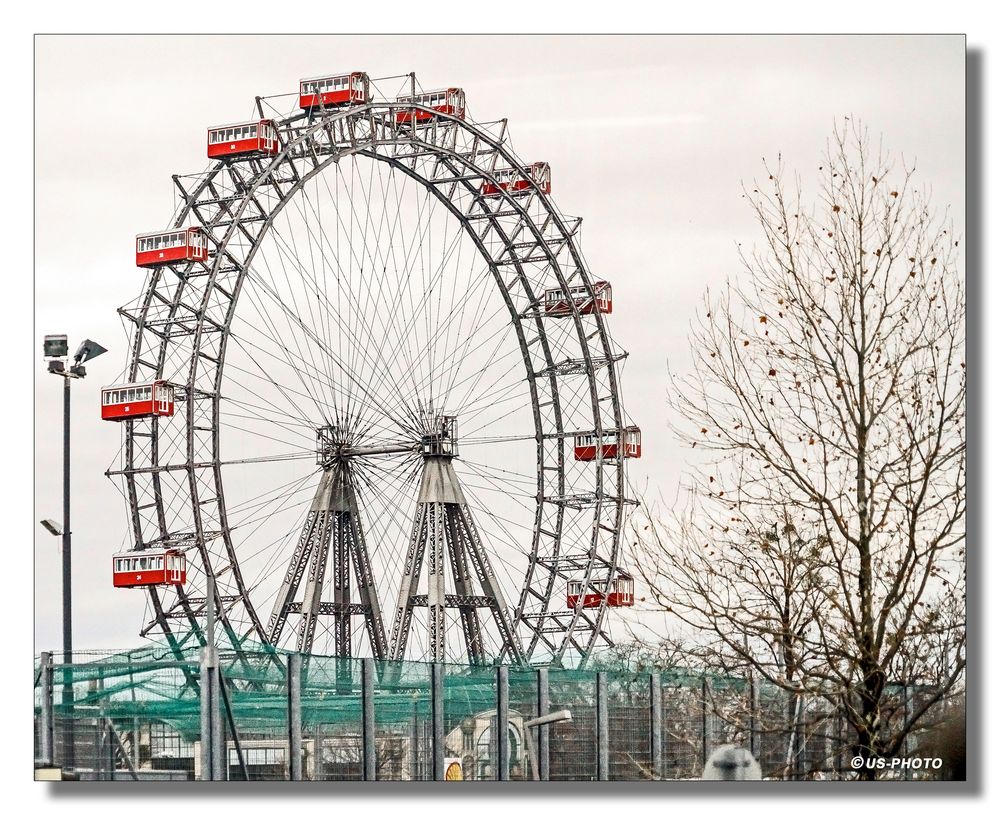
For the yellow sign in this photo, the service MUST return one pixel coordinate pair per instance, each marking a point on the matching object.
(453, 769)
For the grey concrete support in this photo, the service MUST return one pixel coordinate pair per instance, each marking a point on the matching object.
(368, 718)
(109, 754)
(907, 746)
(437, 720)
(656, 725)
(603, 731)
(97, 763)
(135, 742)
(219, 752)
(414, 746)
(543, 730)
(800, 735)
(503, 717)
(205, 687)
(47, 735)
(841, 742)
(213, 739)
(704, 722)
(294, 687)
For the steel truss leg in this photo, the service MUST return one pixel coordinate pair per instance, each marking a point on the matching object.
(408, 586)
(490, 586)
(342, 584)
(333, 526)
(366, 579)
(300, 557)
(443, 527)
(435, 581)
(463, 586)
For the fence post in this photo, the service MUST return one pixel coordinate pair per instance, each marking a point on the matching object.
(656, 725)
(135, 742)
(704, 722)
(220, 758)
(543, 731)
(47, 735)
(109, 738)
(907, 711)
(800, 740)
(368, 718)
(437, 720)
(602, 726)
(97, 763)
(319, 742)
(294, 688)
(415, 763)
(838, 763)
(503, 716)
(205, 688)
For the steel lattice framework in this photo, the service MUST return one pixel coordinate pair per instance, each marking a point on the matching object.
(182, 326)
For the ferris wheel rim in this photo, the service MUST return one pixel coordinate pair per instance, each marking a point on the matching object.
(512, 202)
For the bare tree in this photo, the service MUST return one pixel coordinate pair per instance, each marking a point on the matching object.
(824, 543)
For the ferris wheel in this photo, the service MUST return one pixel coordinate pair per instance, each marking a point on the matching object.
(372, 393)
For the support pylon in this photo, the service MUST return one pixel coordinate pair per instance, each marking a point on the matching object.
(444, 534)
(333, 527)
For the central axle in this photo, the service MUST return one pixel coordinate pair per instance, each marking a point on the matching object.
(333, 445)
(438, 439)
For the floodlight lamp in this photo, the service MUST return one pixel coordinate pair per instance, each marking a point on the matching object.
(55, 345)
(53, 526)
(88, 350)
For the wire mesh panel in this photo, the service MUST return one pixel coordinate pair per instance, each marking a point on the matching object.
(729, 708)
(817, 727)
(573, 744)
(778, 753)
(333, 752)
(332, 719)
(254, 707)
(470, 723)
(162, 747)
(403, 728)
(684, 728)
(629, 727)
(523, 695)
(133, 715)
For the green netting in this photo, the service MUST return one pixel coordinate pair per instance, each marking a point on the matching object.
(143, 708)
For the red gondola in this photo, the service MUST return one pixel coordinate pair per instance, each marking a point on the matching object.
(247, 139)
(450, 101)
(137, 400)
(585, 445)
(622, 593)
(334, 91)
(558, 305)
(518, 180)
(177, 246)
(149, 567)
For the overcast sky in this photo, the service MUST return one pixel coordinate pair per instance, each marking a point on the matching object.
(649, 139)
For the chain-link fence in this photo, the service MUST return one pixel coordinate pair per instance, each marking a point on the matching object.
(179, 714)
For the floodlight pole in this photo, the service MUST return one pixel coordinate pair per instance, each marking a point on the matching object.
(55, 350)
(67, 586)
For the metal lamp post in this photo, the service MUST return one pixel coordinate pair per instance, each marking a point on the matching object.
(55, 349)
(540, 721)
